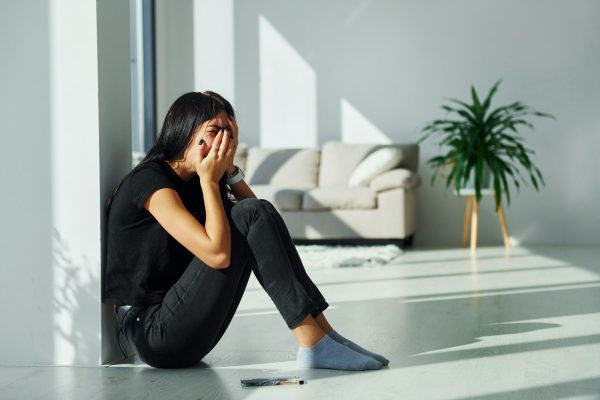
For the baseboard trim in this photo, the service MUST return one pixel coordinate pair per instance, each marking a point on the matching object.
(403, 243)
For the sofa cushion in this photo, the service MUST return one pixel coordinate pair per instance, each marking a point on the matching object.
(283, 198)
(241, 153)
(339, 197)
(396, 178)
(338, 160)
(293, 167)
(375, 163)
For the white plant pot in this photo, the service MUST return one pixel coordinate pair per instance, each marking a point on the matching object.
(486, 179)
(469, 187)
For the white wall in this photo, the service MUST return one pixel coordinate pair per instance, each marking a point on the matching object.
(388, 65)
(26, 238)
(384, 68)
(61, 156)
(214, 55)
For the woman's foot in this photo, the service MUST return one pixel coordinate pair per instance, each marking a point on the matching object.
(327, 353)
(350, 344)
(328, 329)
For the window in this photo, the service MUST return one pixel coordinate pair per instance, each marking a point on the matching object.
(143, 80)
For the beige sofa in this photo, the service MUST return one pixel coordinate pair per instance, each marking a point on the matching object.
(309, 187)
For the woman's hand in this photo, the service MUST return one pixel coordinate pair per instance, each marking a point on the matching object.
(234, 141)
(212, 166)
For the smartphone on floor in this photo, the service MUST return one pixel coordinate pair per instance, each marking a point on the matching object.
(280, 380)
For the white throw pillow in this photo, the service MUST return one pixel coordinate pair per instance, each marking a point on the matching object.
(374, 164)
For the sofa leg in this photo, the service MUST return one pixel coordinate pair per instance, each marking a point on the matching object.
(407, 242)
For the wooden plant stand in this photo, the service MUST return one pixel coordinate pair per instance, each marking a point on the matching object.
(471, 218)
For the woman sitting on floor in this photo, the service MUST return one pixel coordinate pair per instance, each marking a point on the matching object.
(180, 251)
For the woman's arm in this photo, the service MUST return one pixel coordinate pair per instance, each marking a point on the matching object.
(216, 223)
(241, 190)
(212, 242)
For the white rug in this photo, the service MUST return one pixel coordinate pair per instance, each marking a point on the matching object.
(340, 256)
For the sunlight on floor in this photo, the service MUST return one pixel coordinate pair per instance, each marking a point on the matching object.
(518, 326)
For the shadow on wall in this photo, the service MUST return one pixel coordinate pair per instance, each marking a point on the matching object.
(299, 88)
(375, 71)
(76, 340)
(347, 62)
(268, 167)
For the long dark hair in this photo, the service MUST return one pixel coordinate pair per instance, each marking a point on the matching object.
(187, 112)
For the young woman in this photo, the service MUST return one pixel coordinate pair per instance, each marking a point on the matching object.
(180, 250)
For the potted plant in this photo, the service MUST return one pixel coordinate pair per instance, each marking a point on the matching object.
(484, 143)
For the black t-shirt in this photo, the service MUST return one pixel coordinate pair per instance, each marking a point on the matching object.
(143, 260)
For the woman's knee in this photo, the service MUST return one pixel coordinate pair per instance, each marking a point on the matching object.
(267, 204)
(245, 207)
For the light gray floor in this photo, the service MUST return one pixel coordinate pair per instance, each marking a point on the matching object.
(524, 325)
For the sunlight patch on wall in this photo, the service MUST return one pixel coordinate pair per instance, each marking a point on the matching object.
(288, 92)
(214, 56)
(356, 128)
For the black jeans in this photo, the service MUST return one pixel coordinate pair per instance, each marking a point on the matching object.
(198, 308)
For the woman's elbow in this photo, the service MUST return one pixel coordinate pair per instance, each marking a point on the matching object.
(218, 255)
(224, 256)
(222, 261)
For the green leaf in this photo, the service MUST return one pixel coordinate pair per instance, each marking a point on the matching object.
(469, 107)
(450, 176)
(448, 108)
(468, 116)
(542, 114)
(503, 177)
(476, 103)
(488, 99)
(540, 175)
(500, 110)
(534, 181)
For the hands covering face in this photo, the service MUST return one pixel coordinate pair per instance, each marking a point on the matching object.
(216, 150)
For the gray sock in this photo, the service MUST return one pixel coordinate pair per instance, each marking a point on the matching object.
(348, 343)
(327, 353)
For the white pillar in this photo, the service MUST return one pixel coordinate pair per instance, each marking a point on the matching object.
(75, 190)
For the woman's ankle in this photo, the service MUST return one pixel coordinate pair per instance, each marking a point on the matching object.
(310, 342)
(308, 332)
(323, 323)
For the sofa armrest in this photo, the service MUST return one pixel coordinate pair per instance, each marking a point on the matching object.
(241, 155)
(395, 178)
